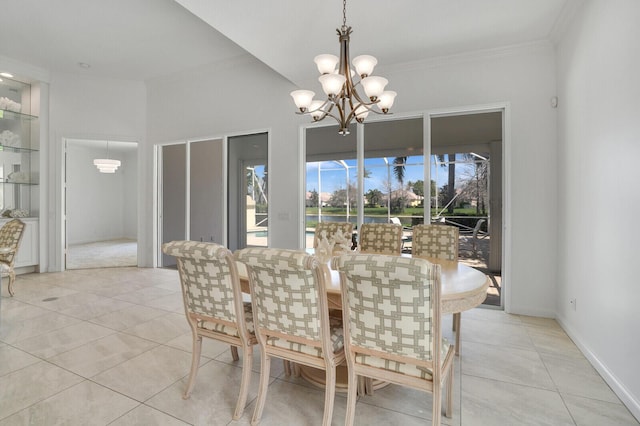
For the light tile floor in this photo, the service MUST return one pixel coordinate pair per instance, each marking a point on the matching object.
(111, 347)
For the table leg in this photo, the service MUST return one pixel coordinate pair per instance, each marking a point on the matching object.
(456, 327)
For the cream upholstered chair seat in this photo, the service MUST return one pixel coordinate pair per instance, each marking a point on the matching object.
(229, 329)
(391, 313)
(336, 337)
(214, 307)
(383, 238)
(398, 366)
(10, 238)
(291, 317)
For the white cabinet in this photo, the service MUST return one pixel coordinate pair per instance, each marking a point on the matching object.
(28, 251)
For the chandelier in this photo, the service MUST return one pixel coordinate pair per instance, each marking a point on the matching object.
(105, 165)
(343, 102)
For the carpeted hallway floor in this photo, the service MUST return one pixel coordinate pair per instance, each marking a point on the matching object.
(103, 254)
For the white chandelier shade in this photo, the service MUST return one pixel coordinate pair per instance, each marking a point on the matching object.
(340, 85)
(105, 165)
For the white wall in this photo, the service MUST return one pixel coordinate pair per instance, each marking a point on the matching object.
(598, 203)
(247, 95)
(100, 206)
(90, 108)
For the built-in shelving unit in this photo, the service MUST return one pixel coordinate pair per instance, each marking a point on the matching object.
(19, 163)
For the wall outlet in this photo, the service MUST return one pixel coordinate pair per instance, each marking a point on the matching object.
(572, 302)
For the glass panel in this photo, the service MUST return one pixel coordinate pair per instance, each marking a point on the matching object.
(247, 192)
(257, 206)
(394, 174)
(331, 176)
(462, 188)
(173, 196)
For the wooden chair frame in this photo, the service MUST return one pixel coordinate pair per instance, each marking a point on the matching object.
(441, 366)
(260, 264)
(10, 238)
(187, 254)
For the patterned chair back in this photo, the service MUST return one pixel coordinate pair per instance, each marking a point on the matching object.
(390, 302)
(331, 228)
(383, 238)
(207, 274)
(438, 241)
(10, 236)
(285, 291)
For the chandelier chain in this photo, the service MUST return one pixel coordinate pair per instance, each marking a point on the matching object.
(344, 13)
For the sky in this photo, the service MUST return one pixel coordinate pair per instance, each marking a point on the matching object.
(333, 175)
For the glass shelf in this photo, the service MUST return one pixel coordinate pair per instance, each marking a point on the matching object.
(7, 148)
(12, 115)
(2, 182)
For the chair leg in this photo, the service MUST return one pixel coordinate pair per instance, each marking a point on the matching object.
(234, 353)
(195, 363)
(265, 367)
(329, 395)
(449, 397)
(456, 324)
(247, 361)
(436, 414)
(352, 393)
(12, 278)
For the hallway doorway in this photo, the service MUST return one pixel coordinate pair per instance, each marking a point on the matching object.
(101, 217)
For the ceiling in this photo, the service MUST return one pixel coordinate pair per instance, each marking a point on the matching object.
(145, 39)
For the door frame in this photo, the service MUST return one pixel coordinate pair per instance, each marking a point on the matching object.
(427, 115)
(505, 109)
(60, 253)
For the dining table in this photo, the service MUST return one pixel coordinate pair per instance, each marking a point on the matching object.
(462, 288)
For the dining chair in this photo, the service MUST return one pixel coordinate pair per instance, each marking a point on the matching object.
(214, 307)
(383, 238)
(438, 241)
(330, 229)
(391, 317)
(291, 317)
(10, 237)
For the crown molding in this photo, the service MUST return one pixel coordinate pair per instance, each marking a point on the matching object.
(472, 56)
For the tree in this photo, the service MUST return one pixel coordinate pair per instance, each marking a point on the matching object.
(375, 197)
(398, 169)
(417, 186)
(338, 198)
(314, 198)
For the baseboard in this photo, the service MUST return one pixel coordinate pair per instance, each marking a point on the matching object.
(614, 383)
(530, 312)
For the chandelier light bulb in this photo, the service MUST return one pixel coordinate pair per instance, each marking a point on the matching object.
(326, 63)
(374, 86)
(361, 113)
(302, 99)
(364, 65)
(316, 110)
(332, 83)
(385, 100)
